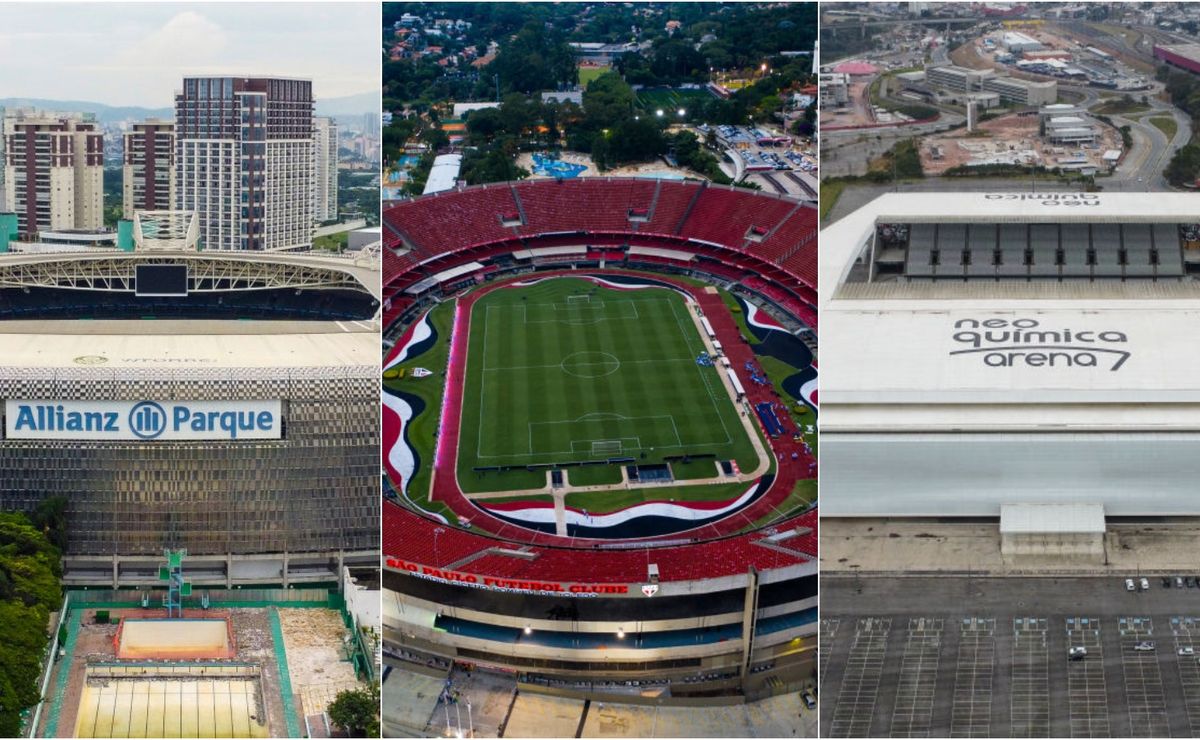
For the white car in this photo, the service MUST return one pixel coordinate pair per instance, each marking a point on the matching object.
(1187, 651)
(1077, 653)
(1144, 647)
(1129, 585)
(1145, 584)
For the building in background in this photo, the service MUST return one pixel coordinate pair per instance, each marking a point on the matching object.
(54, 171)
(148, 171)
(244, 160)
(325, 170)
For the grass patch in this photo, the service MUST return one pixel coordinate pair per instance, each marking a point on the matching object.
(1167, 125)
(670, 100)
(423, 427)
(587, 74)
(1120, 106)
(565, 370)
(594, 475)
(603, 502)
(830, 192)
(333, 242)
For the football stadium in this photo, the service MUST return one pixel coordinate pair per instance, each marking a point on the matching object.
(1015, 356)
(599, 458)
(209, 421)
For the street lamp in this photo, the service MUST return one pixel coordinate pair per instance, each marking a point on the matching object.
(682, 112)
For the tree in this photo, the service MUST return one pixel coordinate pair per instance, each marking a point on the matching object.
(357, 712)
(607, 101)
(29, 591)
(534, 60)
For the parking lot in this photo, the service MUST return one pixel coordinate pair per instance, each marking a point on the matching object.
(989, 657)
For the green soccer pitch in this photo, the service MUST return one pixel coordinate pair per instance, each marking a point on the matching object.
(566, 371)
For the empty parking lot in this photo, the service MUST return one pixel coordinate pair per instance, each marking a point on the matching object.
(988, 657)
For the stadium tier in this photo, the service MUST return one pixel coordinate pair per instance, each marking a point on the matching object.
(564, 256)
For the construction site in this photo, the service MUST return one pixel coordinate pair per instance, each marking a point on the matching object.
(1056, 137)
(246, 663)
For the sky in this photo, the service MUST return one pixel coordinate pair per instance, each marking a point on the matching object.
(137, 53)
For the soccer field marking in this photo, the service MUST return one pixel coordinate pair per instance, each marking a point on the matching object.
(604, 364)
(716, 405)
(597, 306)
(690, 340)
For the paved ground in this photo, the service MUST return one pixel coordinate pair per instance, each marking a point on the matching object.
(955, 656)
(915, 546)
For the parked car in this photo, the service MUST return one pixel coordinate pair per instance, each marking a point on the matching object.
(1144, 647)
(1129, 585)
(1077, 653)
(810, 701)
(1145, 584)
(1187, 651)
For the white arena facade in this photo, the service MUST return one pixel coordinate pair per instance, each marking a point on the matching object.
(989, 352)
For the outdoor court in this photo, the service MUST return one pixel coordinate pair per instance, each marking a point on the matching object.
(175, 639)
(566, 370)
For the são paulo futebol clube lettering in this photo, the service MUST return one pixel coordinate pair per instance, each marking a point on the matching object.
(1025, 342)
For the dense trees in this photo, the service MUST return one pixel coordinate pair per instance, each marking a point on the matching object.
(29, 590)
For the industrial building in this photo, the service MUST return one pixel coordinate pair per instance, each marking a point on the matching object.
(834, 89)
(1023, 92)
(956, 78)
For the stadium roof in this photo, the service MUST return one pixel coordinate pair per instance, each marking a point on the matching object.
(1061, 356)
(170, 345)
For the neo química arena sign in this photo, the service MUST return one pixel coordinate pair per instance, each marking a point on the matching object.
(143, 421)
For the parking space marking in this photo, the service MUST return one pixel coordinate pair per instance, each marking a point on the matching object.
(1186, 631)
(912, 714)
(971, 713)
(1143, 679)
(860, 686)
(829, 629)
(1087, 694)
(1030, 708)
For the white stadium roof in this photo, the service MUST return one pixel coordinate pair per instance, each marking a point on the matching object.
(966, 395)
(180, 346)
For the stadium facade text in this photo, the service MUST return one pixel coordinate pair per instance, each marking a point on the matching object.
(143, 421)
(510, 585)
(1007, 343)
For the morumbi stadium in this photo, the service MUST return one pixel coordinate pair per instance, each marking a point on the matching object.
(222, 403)
(599, 444)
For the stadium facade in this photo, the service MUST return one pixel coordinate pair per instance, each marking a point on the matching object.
(989, 351)
(226, 404)
(722, 610)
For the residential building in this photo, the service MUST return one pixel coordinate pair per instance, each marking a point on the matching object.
(325, 170)
(148, 171)
(54, 172)
(244, 160)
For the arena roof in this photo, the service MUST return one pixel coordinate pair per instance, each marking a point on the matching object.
(186, 345)
(997, 356)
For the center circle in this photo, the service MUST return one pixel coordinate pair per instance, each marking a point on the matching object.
(590, 364)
